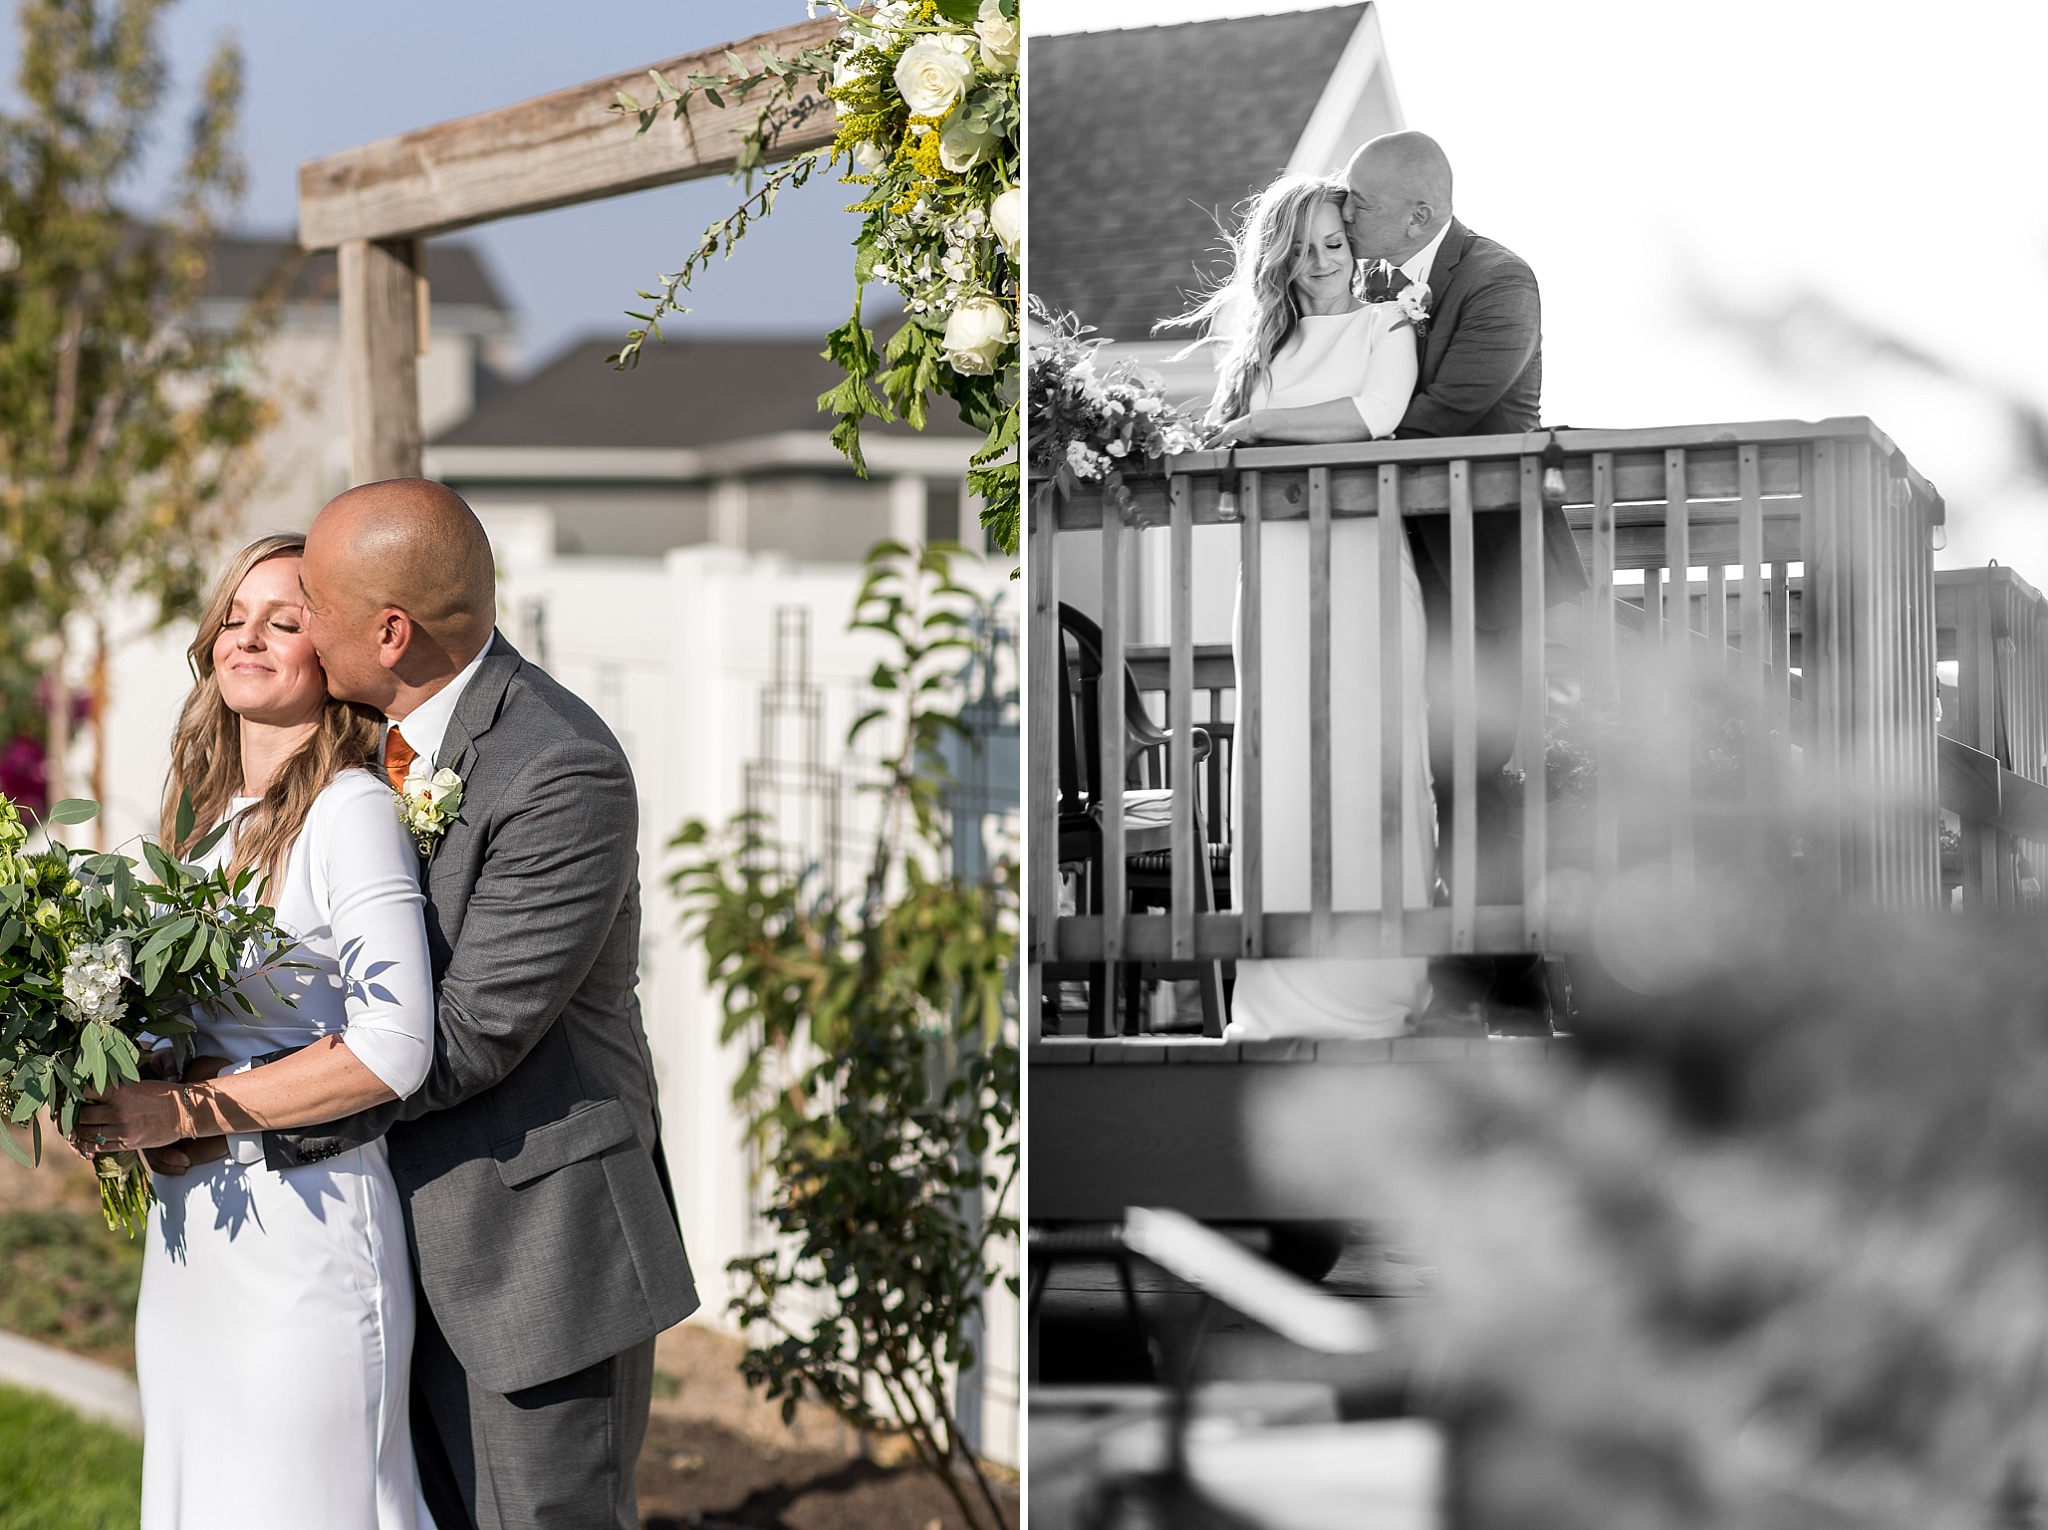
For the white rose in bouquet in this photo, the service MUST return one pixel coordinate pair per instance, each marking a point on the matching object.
(1006, 217)
(999, 40)
(964, 144)
(869, 156)
(932, 77)
(975, 336)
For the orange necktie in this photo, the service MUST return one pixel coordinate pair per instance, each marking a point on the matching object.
(398, 758)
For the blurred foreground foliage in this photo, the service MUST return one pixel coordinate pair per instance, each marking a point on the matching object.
(880, 1074)
(1773, 1252)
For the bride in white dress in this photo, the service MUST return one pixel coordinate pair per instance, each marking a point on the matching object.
(1304, 360)
(274, 1334)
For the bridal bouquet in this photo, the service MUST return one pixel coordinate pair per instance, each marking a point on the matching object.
(97, 963)
(1087, 424)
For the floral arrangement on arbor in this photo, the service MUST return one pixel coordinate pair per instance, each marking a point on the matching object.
(97, 963)
(927, 99)
(1087, 422)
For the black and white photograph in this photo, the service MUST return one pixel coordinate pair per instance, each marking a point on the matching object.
(1536, 773)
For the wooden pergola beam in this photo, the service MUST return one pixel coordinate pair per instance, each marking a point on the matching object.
(565, 147)
(377, 204)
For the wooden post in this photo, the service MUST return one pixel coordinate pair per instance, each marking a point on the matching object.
(1393, 715)
(1251, 869)
(381, 282)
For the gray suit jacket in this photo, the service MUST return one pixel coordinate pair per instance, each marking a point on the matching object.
(1482, 375)
(536, 1199)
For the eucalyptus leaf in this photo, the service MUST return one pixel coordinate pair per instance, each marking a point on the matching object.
(73, 810)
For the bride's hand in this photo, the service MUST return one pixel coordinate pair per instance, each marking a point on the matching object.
(1242, 431)
(141, 1115)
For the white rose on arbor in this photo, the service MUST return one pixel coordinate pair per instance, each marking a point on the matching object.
(975, 336)
(998, 34)
(1006, 216)
(932, 77)
(964, 144)
(869, 156)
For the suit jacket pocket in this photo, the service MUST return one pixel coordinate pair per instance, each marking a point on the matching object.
(583, 1133)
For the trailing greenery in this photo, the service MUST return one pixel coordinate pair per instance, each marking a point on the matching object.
(61, 1472)
(927, 99)
(880, 1077)
(126, 426)
(64, 1283)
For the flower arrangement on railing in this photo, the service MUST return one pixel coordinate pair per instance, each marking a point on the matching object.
(97, 963)
(1089, 423)
(927, 99)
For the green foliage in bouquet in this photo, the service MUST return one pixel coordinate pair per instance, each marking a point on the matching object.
(96, 961)
(881, 1066)
(929, 128)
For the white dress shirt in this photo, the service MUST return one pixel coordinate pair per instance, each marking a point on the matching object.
(1416, 268)
(426, 725)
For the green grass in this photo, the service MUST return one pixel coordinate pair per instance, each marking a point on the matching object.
(60, 1472)
(67, 1281)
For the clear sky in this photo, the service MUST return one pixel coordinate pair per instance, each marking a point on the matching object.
(1681, 176)
(323, 77)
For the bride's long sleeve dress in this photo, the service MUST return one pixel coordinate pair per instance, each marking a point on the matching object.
(274, 1334)
(1367, 357)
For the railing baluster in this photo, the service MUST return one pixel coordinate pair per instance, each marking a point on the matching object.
(1464, 716)
(1319, 790)
(1604, 700)
(1678, 652)
(1113, 740)
(1042, 732)
(1750, 618)
(1717, 617)
(1393, 715)
(1535, 752)
(1190, 858)
(1248, 853)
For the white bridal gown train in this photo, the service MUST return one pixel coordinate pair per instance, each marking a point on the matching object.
(273, 1339)
(1361, 356)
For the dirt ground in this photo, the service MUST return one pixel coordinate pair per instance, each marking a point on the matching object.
(717, 1454)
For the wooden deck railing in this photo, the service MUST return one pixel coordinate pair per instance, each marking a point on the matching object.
(1784, 567)
(1994, 731)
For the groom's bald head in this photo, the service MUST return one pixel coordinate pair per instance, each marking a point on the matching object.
(406, 547)
(1399, 195)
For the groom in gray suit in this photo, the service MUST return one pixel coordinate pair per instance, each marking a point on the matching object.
(543, 1227)
(1480, 355)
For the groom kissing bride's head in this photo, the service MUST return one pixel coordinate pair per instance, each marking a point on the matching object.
(1397, 196)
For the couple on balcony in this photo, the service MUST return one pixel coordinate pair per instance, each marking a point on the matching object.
(1360, 308)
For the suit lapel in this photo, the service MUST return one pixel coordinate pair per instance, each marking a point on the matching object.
(478, 708)
(1442, 272)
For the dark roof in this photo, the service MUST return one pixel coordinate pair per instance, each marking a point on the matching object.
(1142, 141)
(241, 265)
(683, 393)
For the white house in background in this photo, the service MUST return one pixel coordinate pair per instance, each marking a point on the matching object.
(472, 351)
(1149, 138)
(680, 546)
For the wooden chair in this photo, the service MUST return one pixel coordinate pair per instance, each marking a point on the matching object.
(1148, 846)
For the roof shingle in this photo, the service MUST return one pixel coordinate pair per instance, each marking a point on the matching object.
(683, 393)
(1142, 143)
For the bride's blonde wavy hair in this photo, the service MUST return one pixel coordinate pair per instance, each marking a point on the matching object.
(206, 749)
(1251, 314)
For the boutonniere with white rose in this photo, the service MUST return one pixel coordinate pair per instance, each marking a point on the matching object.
(1413, 301)
(429, 802)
